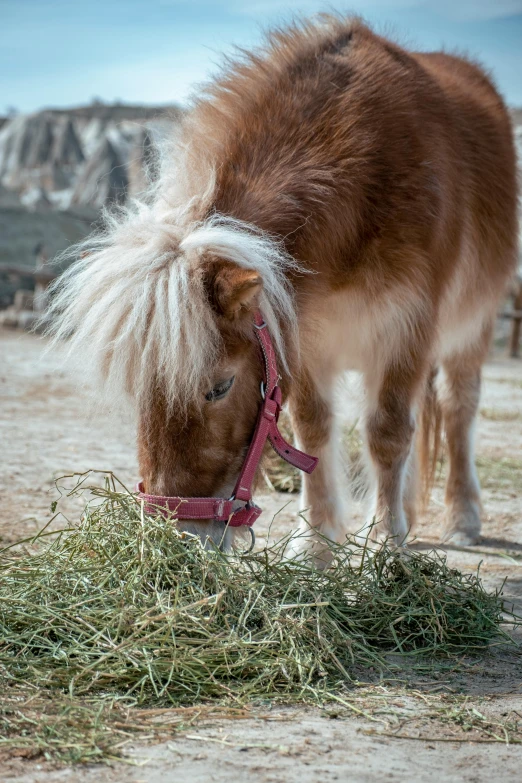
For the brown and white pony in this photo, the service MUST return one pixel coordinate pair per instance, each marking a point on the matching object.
(364, 197)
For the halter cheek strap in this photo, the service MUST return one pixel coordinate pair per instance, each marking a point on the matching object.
(221, 509)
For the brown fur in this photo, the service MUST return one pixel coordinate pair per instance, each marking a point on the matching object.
(390, 176)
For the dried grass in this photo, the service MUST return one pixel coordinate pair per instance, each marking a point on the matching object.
(125, 610)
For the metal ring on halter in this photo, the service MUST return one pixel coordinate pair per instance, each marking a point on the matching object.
(261, 326)
(253, 542)
(262, 387)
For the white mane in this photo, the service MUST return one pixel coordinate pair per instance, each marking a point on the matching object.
(133, 307)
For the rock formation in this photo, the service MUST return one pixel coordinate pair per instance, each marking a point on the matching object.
(87, 156)
(103, 179)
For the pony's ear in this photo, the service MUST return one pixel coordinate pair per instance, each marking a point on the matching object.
(235, 291)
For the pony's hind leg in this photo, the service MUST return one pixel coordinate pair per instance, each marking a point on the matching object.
(458, 389)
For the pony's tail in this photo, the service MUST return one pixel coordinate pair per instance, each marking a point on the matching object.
(429, 438)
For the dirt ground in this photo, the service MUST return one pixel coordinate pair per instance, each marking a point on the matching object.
(49, 426)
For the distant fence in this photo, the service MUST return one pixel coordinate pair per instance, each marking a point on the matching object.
(516, 316)
(21, 277)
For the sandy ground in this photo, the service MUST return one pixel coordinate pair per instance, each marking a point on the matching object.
(49, 426)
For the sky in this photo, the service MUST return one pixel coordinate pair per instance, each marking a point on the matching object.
(57, 53)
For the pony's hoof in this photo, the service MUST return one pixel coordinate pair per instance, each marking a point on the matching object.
(379, 535)
(463, 525)
(461, 537)
(317, 554)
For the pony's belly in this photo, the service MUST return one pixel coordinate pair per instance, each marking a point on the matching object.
(333, 337)
(348, 331)
(466, 311)
(459, 334)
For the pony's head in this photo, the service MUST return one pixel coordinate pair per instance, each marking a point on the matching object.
(162, 313)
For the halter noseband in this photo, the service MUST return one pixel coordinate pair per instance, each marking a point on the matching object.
(220, 509)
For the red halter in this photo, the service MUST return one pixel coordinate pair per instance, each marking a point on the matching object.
(220, 509)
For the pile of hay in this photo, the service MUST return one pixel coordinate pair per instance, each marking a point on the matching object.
(125, 604)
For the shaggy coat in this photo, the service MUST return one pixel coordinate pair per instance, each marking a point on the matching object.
(365, 197)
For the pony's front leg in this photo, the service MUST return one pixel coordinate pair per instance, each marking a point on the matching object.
(390, 426)
(323, 503)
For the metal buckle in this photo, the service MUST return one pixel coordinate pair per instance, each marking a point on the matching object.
(262, 388)
(261, 326)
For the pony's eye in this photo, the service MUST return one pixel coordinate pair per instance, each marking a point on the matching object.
(220, 390)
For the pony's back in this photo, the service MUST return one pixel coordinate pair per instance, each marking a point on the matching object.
(348, 145)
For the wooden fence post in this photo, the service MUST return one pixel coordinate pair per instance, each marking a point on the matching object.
(516, 327)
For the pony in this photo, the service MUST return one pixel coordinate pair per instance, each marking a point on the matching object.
(363, 197)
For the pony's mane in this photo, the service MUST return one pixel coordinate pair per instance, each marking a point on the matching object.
(133, 306)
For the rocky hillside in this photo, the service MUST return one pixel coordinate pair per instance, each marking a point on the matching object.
(59, 167)
(86, 156)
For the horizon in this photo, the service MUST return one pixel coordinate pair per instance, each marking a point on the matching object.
(59, 55)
